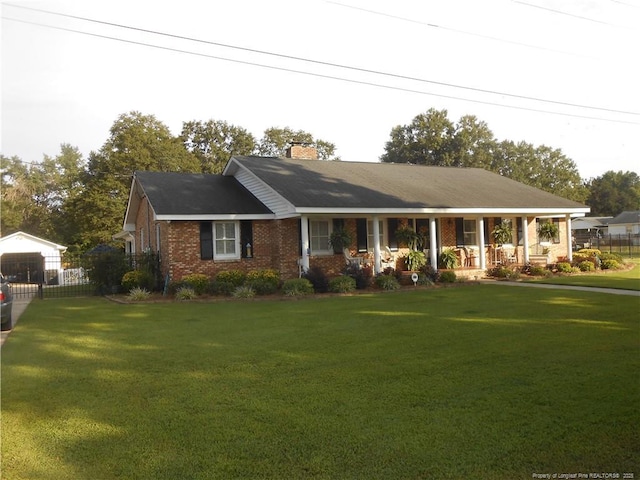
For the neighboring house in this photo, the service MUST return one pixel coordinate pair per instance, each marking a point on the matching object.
(627, 223)
(588, 230)
(278, 213)
(25, 258)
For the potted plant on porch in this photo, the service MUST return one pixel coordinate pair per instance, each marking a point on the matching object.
(502, 233)
(415, 259)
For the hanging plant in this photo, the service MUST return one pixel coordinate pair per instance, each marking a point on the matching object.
(547, 231)
(340, 239)
(408, 236)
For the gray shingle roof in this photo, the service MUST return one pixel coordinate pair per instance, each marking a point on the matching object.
(198, 194)
(314, 183)
(626, 217)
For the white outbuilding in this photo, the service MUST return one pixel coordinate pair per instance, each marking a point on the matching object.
(25, 258)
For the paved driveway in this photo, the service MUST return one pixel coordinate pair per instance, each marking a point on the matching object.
(19, 304)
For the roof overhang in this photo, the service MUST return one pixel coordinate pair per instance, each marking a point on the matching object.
(444, 212)
(213, 217)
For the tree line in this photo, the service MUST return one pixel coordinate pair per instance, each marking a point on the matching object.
(81, 202)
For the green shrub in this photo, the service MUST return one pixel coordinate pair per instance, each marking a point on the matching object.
(264, 282)
(539, 271)
(199, 282)
(499, 272)
(244, 291)
(590, 252)
(297, 287)
(138, 294)
(223, 288)
(611, 256)
(586, 266)
(318, 279)
(106, 270)
(362, 275)
(610, 264)
(564, 267)
(185, 293)
(424, 279)
(514, 274)
(448, 277)
(342, 284)
(387, 282)
(138, 278)
(235, 277)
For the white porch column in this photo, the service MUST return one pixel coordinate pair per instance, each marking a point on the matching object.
(525, 239)
(481, 253)
(304, 242)
(433, 243)
(377, 265)
(569, 239)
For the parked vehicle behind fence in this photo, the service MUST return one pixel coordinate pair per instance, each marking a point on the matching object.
(6, 304)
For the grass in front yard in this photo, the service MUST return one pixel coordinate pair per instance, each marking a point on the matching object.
(624, 279)
(471, 382)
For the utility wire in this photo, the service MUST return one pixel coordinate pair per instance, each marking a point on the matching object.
(568, 14)
(318, 75)
(319, 62)
(464, 32)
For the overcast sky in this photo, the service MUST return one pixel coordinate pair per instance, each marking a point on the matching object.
(559, 73)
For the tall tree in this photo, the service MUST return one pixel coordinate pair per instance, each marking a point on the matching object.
(427, 140)
(432, 139)
(136, 142)
(473, 144)
(17, 210)
(614, 192)
(214, 142)
(275, 141)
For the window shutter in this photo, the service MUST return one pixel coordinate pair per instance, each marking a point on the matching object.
(361, 234)
(459, 231)
(519, 230)
(246, 237)
(392, 227)
(206, 240)
(487, 237)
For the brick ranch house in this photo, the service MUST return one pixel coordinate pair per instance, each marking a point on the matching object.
(278, 213)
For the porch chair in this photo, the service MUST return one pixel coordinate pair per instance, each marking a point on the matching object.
(389, 259)
(510, 254)
(469, 256)
(350, 259)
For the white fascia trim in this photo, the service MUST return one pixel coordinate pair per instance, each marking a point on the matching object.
(266, 216)
(577, 212)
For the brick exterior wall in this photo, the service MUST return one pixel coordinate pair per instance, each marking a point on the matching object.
(276, 245)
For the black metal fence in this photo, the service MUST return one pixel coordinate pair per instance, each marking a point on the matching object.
(35, 275)
(624, 244)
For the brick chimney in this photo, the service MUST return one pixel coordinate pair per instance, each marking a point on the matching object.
(302, 151)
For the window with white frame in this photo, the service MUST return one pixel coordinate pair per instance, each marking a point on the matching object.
(225, 240)
(470, 232)
(319, 235)
(370, 238)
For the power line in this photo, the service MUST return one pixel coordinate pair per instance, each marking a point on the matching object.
(560, 12)
(324, 63)
(464, 32)
(318, 75)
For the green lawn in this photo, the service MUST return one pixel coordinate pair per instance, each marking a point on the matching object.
(624, 279)
(483, 381)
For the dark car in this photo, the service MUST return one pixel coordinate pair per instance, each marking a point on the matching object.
(6, 303)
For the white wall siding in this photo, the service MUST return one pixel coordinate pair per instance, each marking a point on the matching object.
(265, 194)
